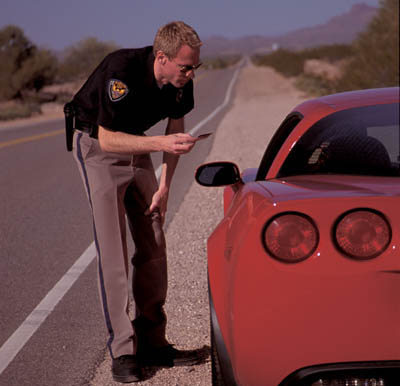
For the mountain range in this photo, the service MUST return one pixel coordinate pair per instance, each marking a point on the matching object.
(340, 29)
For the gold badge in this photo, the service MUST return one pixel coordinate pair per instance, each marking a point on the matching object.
(117, 90)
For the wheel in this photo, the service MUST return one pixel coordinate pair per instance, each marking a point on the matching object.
(217, 379)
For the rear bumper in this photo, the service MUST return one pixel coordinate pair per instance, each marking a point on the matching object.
(387, 372)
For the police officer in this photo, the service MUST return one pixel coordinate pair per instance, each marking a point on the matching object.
(130, 91)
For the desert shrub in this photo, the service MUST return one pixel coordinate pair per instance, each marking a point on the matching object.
(83, 57)
(371, 61)
(18, 110)
(23, 66)
(291, 63)
(314, 85)
(331, 53)
(376, 58)
(288, 63)
(219, 62)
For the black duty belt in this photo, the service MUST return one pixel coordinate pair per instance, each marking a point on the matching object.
(73, 123)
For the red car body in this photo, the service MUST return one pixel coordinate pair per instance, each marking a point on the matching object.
(329, 312)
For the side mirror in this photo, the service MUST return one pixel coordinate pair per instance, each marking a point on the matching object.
(217, 174)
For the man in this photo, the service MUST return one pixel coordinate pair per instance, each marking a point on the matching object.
(130, 91)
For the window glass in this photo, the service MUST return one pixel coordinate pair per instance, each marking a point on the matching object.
(276, 143)
(359, 141)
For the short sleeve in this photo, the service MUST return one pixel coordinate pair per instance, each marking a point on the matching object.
(113, 97)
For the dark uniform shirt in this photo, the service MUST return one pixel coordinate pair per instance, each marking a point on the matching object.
(122, 94)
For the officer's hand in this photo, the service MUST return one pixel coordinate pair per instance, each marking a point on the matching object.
(159, 203)
(179, 143)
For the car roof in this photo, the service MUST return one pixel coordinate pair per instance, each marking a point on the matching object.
(328, 104)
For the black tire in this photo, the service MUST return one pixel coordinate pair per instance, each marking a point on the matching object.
(216, 374)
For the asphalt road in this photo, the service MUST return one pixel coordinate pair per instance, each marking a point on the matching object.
(45, 226)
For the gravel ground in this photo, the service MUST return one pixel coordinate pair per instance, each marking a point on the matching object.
(262, 100)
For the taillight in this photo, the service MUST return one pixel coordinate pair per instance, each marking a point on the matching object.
(290, 237)
(362, 234)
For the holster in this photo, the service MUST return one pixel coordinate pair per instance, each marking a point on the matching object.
(69, 113)
(72, 123)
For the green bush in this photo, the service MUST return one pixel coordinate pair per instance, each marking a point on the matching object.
(315, 85)
(372, 61)
(18, 110)
(330, 53)
(376, 59)
(221, 61)
(288, 63)
(291, 63)
(83, 57)
(22, 65)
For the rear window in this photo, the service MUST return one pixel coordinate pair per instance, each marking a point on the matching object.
(359, 141)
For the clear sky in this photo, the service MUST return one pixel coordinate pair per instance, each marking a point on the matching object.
(56, 24)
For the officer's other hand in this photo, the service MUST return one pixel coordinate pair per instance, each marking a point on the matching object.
(179, 143)
(159, 203)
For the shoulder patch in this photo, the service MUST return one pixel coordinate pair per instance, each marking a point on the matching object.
(117, 90)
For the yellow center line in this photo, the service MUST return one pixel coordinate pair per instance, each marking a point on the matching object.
(30, 139)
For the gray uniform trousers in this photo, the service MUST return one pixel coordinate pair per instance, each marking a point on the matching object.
(119, 184)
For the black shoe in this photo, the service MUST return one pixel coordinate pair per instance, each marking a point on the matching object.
(125, 369)
(168, 356)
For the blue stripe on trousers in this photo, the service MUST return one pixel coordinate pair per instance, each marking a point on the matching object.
(101, 277)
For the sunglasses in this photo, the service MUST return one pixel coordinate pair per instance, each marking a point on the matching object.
(184, 68)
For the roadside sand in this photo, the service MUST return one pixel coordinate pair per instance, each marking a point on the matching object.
(262, 100)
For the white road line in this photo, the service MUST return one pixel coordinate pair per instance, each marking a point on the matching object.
(214, 113)
(23, 333)
(220, 107)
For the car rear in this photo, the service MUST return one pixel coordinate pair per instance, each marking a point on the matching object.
(327, 306)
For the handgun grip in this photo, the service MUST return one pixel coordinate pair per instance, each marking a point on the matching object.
(69, 114)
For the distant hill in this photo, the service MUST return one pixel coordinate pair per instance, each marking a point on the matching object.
(339, 29)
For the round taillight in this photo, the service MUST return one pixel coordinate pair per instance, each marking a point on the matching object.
(362, 234)
(290, 237)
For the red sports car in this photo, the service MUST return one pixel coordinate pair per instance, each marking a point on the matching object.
(304, 268)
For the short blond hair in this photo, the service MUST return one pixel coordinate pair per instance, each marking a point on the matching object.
(172, 36)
